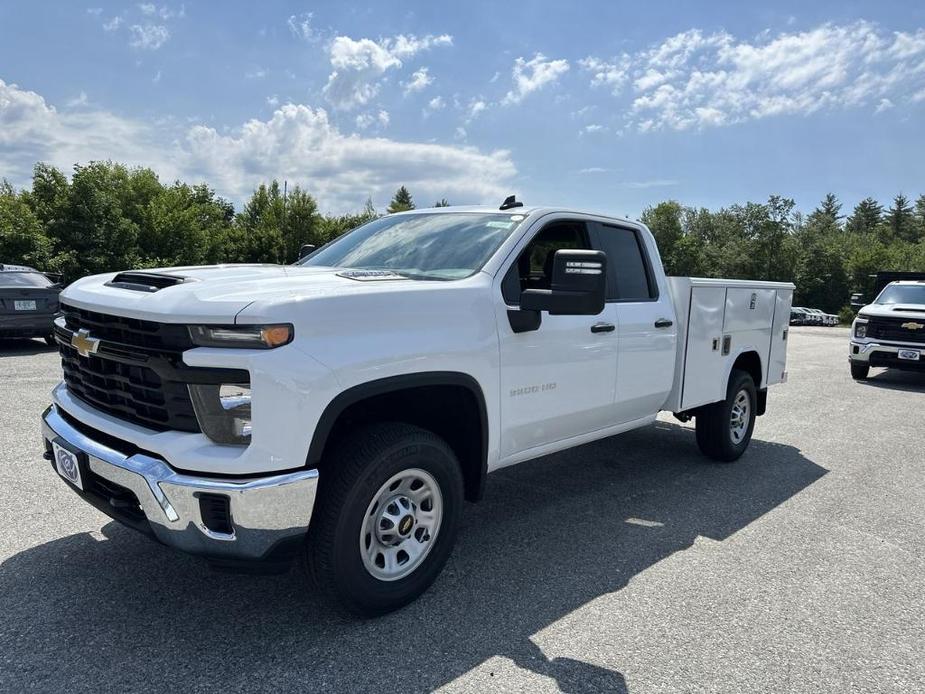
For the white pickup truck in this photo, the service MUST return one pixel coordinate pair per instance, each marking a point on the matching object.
(342, 409)
(891, 331)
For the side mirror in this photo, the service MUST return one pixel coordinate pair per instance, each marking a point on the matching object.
(577, 288)
(306, 249)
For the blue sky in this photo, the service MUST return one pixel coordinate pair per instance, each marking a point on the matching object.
(609, 106)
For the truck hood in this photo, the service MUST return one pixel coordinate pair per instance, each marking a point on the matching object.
(215, 293)
(893, 311)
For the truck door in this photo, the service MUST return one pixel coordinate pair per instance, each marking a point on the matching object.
(646, 325)
(557, 381)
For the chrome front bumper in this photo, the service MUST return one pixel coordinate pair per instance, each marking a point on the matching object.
(267, 514)
(861, 351)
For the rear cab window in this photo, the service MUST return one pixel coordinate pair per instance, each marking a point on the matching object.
(629, 272)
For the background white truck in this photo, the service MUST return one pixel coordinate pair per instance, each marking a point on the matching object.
(891, 331)
(342, 409)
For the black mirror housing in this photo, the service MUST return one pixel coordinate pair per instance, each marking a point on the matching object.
(306, 249)
(578, 286)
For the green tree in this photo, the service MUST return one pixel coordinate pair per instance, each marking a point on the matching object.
(920, 215)
(865, 217)
(184, 225)
(442, 202)
(900, 219)
(335, 226)
(22, 239)
(401, 201)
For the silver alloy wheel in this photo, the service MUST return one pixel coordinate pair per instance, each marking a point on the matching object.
(401, 524)
(740, 416)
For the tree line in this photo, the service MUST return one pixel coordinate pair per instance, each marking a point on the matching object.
(826, 254)
(107, 216)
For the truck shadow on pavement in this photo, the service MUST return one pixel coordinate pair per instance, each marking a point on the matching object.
(116, 611)
(891, 379)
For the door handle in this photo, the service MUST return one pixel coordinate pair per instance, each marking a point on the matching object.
(602, 328)
(663, 323)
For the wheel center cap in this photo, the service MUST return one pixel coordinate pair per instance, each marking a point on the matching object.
(405, 524)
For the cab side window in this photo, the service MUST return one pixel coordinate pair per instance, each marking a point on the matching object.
(533, 268)
(629, 277)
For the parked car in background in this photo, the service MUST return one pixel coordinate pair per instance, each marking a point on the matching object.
(800, 316)
(824, 318)
(809, 318)
(28, 303)
(891, 331)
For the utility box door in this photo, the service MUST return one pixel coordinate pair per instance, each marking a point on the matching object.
(777, 363)
(703, 361)
(749, 315)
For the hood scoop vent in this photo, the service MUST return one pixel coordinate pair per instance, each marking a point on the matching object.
(370, 275)
(910, 309)
(146, 281)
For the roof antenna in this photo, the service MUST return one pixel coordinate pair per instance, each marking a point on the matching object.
(509, 202)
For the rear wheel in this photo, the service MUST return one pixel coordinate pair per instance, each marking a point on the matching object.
(859, 370)
(724, 429)
(386, 518)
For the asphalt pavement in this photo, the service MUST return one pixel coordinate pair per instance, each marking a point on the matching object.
(627, 565)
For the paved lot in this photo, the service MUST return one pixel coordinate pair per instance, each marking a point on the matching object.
(626, 565)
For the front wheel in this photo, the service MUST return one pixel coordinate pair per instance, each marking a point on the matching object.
(386, 518)
(724, 429)
(859, 370)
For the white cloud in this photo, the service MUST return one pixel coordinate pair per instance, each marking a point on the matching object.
(157, 77)
(297, 142)
(151, 10)
(532, 75)
(884, 105)
(148, 37)
(593, 128)
(698, 80)
(79, 100)
(273, 101)
(436, 103)
(611, 74)
(95, 11)
(593, 170)
(365, 120)
(301, 27)
(360, 64)
(475, 108)
(112, 24)
(420, 79)
(257, 73)
(656, 183)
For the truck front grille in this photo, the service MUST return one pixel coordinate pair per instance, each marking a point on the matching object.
(137, 374)
(892, 329)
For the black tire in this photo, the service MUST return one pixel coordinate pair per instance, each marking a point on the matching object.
(859, 371)
(350, 477)
(50, 340)
(714, 433)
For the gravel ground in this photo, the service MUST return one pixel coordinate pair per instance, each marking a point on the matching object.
(629, 564)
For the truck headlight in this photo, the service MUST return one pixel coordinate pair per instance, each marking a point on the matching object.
(248, 336)
(223, 411)
(860, 328)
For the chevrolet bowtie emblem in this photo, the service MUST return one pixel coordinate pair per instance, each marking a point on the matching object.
(911, 325)
(84, 344)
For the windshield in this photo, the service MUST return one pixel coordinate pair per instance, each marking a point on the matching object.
(902, 294)
(444, 246)
(24, 279)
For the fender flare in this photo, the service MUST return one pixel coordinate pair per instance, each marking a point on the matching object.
(355, 394)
